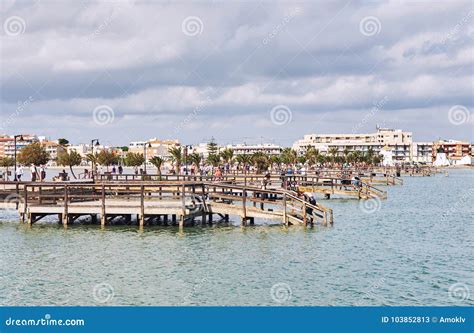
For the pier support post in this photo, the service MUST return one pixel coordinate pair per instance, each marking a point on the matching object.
(181, 221)
(142, 206)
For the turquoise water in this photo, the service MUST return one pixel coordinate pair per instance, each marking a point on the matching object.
(416, 248)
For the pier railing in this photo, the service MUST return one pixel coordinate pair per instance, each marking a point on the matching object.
(186, 200)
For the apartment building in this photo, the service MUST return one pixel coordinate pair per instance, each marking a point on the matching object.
(154, 147)
(454, 149)
(395, 140)
(245, 149)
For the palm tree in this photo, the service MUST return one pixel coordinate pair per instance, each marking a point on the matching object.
(289, 156)
(157, 161)
(93, 158)
(227, 155)
(214, 159)
(244, 160)
(333, 152)
(370, 155)
(176, 157)
(311, 155)
(345, 153)
(195, 159)
(260, 161)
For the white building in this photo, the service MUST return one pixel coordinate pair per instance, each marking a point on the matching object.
(245, 149)
(397, 140)
(422, 152)
(154, 147)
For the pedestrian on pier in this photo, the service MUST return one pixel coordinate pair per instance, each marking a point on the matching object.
(34, 172)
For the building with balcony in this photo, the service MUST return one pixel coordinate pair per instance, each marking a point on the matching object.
(395, 140)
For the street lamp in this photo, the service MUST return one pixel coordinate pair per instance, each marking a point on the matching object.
(185, 159)
(145, 146)
(14, 140)
(92, 149)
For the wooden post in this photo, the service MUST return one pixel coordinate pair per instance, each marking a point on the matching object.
(25, 203)
(66, 199)
(142, 205)
(183, 206)
(285, 219)
(244, 203)
(102, 210)
(305, 221)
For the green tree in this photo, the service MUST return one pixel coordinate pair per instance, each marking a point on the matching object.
(260, 161)
(289, 156)
(370, 155)
(63, 142)
(212, 147)
(70, 159)
(195, 159)
(134, 159)
(345, 152)
(214, 159)
(6, 162)
(227, 155)
(302, 159)
(176, 157)
(107, 158)
(333, 151)
(311, 155)
(244, 160)
(157, 161)
(93, 158)
(34, 154)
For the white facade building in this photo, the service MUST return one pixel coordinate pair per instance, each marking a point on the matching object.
(398, 141)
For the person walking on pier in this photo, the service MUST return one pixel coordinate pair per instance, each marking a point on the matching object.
(19, 173)
(42, 173)
(34, 172)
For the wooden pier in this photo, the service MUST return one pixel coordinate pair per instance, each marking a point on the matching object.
(163, 202)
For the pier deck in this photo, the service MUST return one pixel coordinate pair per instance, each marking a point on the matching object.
(180, 202)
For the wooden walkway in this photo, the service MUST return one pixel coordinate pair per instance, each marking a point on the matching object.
(162, 202)
(303, 183)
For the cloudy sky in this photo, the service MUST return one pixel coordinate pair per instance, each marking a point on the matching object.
(246, 71)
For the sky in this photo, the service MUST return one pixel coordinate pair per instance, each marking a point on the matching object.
(237, 71)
